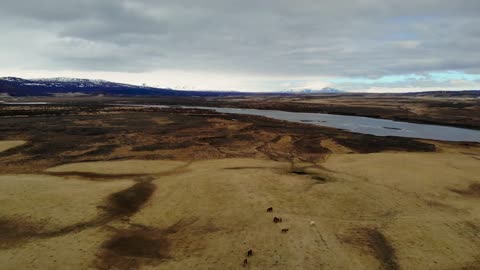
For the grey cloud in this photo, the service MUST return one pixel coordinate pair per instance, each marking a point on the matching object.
(294, 38)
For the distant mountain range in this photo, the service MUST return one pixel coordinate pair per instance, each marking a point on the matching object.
(17, 87)
(75, 87)
(325, 90)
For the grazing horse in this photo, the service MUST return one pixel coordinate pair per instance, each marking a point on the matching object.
(250, 253)
(270, 209)
(284, 230)
(245, 262)
(277, 219)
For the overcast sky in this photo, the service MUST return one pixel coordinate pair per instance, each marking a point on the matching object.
(355, 45)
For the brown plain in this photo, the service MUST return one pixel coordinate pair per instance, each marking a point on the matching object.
(171, 189)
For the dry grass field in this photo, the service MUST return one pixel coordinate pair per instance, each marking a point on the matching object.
(129, 188)
(5, 145)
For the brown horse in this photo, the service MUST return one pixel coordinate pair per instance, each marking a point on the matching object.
(250, 253)
(284, 230)
(270, 209)
(245, 262)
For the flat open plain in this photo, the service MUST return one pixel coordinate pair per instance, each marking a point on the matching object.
(90, 186)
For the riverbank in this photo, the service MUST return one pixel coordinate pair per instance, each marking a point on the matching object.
(424, 108)
(355, 124)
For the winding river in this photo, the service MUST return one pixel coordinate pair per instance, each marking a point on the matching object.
(365, 125)
(358, 124)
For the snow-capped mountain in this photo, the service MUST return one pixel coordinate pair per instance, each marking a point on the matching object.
(67, 86)
(70, 80)
(62, 82)
(325, 90)
(12, 86)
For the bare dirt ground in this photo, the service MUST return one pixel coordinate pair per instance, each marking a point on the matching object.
(98, 187)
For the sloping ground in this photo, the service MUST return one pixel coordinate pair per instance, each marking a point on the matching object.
(370, 211)
(5, 145)
(421, 202)
(124, 167)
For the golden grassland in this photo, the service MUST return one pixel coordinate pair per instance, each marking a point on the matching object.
(389, 210)
(99, 187)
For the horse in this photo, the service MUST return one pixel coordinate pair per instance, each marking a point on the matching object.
(277, 219)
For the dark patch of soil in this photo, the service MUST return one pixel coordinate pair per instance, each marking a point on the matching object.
(245, 168)
(298, 172)
(96, 176)
(472, 265)
(138, 244)
(77, 227)
(16, 232)
(148, 147)
(119, 204)
(319, 178)
(472, 191)
(311, 145)
(377, 245)
(13, 232)
(54, 139)
(128, 249)
(130, 200)
(100, 151)
(455, 105)
(363, 143)
(310, 137)
(383, 250)
(226, 139)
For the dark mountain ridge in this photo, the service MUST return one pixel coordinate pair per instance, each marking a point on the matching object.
(18, 87)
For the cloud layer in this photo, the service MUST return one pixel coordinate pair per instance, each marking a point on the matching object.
(275, 41)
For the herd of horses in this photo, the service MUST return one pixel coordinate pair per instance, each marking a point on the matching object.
(275, 220)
